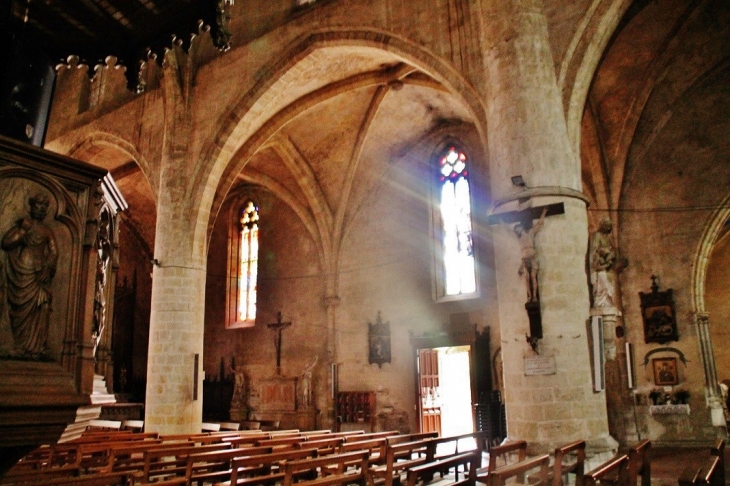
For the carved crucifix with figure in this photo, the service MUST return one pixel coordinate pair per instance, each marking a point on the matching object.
(278, 326)
(525, 230)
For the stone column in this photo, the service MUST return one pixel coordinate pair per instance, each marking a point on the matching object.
(527, 136)
(174, 401)
(714, 396)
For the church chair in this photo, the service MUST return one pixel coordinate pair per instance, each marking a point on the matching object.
(501, 475)
(465, 463)
(506, 453)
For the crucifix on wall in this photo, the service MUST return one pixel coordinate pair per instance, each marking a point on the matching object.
(525, 229)
(278, 326)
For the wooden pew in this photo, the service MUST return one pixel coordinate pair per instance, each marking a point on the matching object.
(216, 466)
(561, 469)
(262, 469)
(348, 467)
(162, 463)
(324, 446)
(371, 435)
(457, 444)
(615, 469)
(711, 472)
(499, 476)
(468, 462)
(398, 458)
(502, 453)
(639, 463)
(374, 447)
(133, 425)
(106, 479)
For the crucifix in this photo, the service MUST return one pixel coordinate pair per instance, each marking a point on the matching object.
(278, 326)
(525, 231)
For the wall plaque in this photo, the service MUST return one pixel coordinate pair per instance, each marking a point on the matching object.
(539, 365)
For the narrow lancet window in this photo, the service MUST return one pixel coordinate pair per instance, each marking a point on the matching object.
(459, 272)
(249, 262)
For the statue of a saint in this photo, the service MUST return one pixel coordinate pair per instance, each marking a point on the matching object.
(604, 263)
(103, 249)
(529, 267)
(32, 257)
(238, 402)
(307, 384)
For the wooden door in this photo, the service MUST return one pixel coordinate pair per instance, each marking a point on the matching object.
(429, 390)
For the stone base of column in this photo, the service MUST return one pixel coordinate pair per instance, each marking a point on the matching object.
(610, 316)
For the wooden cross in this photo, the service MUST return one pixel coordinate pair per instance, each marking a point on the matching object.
(278, 326)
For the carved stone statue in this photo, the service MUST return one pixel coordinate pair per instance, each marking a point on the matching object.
(307, 384)
(32, 256)
(604, 264)
(103, 248)
(529, 267)
(238, 402)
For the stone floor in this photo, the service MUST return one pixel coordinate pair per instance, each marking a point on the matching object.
(667, 464)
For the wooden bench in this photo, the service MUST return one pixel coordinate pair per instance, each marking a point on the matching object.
(506, 454)
(374, 447)
(398, 458)
(324, 446)
(348, 467)
(162, 463)
(216, 466)
(499, 476)
(264, 468)
(561, 468)
(104, 425)
(639, 463)
(106, 479)
(468, 462)
(613, 470)
(711, 472)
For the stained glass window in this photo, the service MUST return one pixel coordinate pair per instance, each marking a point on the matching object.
(459, 272)
(249, 262)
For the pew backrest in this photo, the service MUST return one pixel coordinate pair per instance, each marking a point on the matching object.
(499, 476)
(330, 469)
(465, 463)
(615, 468)
(561, 468)
(639, 463)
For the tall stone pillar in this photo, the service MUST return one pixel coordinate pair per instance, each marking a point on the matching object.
(174, 399)
(527, 136)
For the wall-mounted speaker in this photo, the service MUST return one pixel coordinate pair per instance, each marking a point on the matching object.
(27, 78)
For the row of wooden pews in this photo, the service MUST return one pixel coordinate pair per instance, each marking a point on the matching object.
(314, 458)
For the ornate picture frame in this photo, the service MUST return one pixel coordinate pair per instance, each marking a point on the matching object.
(665, 371)
(379, 342)
(658, 314)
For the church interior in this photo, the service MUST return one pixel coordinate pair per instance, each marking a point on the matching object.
(437, 216)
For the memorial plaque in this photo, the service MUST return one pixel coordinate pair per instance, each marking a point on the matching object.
(539, 365)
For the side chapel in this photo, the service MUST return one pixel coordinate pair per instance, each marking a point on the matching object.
(320, 194)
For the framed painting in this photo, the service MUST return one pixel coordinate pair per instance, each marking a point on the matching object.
(657, 311)
(379, 342)
(665, 371)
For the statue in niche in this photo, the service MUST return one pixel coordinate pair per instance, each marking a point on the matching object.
(103, 249)
(32, 254)
(604, 264)
(529, 267)
(307, 384)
